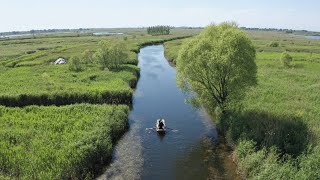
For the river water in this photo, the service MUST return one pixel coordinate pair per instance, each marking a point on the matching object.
(188, 150)
(313, 37)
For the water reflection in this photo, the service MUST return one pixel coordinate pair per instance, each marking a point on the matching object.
(206, 159)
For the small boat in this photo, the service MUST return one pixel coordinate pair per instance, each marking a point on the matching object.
(160, 126)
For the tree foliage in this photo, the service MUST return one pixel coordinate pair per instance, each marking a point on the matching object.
(75, 64)
(111, 56)
(217, 65)
(286, 59)
(159, 30)
(87, 57)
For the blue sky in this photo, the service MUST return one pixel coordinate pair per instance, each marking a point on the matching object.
(49, 14)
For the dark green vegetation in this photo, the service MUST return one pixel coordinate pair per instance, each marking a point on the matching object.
(111, 56)
(56, 84)
(286, 59)
(218, 65)
(158, 30)
(276, 131)
(58, 142)
(75, 64)
(66, 140)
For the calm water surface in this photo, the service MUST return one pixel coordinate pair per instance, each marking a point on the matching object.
(187, 151)
(312, 37)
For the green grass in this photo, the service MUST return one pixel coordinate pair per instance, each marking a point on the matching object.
(56, 84)
(50, 47)
(297, 56)
(58, 142)
(172, 48)
(266, 164)
(281, 112)
(33, 79)
(276, 132)
(293, 91)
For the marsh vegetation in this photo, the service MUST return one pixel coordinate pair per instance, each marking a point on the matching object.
(39, 142)
(46, 132)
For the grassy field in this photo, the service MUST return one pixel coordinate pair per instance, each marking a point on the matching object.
(55, 84)
(46, 49)
(66, 140)
(29, 77)
(58, 142)
(277, 130)
(172, 48)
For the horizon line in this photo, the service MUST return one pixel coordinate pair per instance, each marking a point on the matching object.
(142, 27)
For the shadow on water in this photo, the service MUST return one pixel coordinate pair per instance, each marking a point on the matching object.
(161, 136)
(207, 159)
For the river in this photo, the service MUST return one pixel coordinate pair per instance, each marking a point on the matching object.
(313, 37)
(188, 150)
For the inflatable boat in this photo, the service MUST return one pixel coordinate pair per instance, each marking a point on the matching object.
(161, 126)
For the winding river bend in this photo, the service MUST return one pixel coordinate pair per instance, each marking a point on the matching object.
(187, 151)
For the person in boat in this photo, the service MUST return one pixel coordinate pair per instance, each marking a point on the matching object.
(161, 124)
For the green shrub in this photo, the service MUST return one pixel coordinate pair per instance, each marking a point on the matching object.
(309, 164)
(111, 56)
(30, 52)
(75, 64)
(286, 59)
(87, 57)
(268, 164)
(274, 44)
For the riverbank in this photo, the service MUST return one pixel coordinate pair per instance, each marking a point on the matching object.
(276, 133)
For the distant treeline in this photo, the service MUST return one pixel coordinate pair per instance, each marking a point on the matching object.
(276, 29)
(42, 31)
(159, 30)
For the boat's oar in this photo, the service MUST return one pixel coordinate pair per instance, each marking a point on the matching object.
(173, 130)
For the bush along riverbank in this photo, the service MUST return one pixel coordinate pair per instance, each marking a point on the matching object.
(274, 131)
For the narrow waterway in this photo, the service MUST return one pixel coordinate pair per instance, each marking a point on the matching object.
(188, 150)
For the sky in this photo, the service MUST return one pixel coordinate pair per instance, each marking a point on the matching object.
(20, 15)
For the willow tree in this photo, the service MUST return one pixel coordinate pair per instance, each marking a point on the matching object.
(217, 66)
(111, 56)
